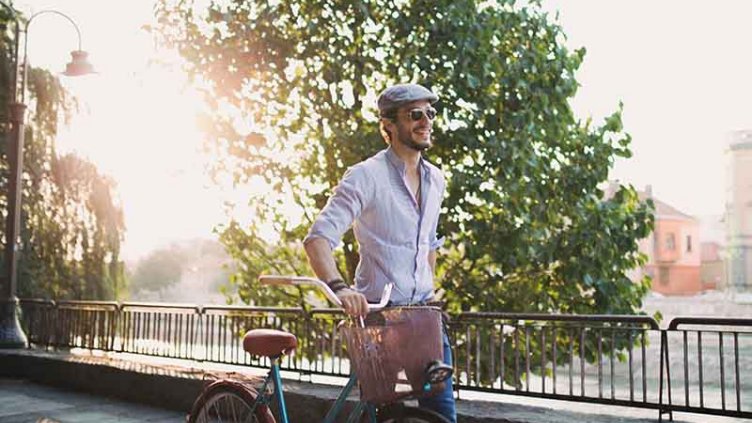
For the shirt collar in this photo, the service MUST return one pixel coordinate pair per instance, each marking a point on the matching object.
(398, 164)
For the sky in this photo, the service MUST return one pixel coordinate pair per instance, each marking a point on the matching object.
(682, 69)
(138, 123)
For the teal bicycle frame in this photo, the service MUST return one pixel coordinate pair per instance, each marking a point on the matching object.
(275, 379)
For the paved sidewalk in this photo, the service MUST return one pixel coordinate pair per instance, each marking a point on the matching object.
(172, 385)
(24, 401)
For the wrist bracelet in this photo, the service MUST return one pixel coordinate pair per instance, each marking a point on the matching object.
(337, 285)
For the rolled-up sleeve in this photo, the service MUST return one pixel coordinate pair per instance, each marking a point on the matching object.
(350, 197)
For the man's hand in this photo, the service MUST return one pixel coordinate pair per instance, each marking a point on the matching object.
(353, 302)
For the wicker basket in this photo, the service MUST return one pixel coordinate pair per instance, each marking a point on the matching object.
(394, 339)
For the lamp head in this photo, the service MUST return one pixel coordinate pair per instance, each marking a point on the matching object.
(79, 64)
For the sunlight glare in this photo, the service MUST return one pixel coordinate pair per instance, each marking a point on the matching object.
(140, 128)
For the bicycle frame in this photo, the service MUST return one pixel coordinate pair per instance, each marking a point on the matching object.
(276, 380)
(274, 376)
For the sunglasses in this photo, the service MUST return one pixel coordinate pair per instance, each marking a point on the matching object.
(417, 114)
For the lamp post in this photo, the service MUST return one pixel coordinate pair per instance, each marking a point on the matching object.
(11, 334)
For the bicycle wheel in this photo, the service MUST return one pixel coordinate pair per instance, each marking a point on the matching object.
(402, 414)
(229, 401)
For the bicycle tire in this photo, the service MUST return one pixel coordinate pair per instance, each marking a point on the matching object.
(403, 414)
(229, 401)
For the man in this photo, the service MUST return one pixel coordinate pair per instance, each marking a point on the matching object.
(392, 200)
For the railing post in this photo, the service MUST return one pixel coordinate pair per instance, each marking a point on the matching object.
(664, 359)
(307, 324)
(117, 327)
(201, 333)
(56, 323)
(452, 334)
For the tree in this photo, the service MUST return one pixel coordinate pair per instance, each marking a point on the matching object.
(528, 227)
(158, 271)
(71, 222)
(194, 270)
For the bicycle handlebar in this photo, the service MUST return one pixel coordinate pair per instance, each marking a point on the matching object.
(303, 280)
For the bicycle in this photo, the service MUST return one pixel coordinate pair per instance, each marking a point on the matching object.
(231, 400)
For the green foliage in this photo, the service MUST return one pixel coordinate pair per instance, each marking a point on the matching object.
(528, 227)
(256, 257)
(71, 222)
(185, 271)
(158, 271)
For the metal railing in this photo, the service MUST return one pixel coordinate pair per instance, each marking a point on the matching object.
(557, 356)
(699, 352)
(696, 365)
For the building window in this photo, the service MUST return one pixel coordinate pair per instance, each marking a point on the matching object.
(670, 242)
(663, 275)
(689, 243)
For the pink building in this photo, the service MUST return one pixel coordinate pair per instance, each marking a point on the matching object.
(673, 250)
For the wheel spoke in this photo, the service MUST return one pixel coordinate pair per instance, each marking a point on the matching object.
(219, 410)
(227, 407)
(234, 416)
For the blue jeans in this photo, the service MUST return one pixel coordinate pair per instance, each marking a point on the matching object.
(443, 402)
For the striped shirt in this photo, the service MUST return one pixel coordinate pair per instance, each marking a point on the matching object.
(394, 233)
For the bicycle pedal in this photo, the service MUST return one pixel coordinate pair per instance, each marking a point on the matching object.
(437, 372)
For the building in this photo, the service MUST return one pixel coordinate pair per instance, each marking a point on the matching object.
(673, 250)
(739, 213)
(712, 265)
(685, 254)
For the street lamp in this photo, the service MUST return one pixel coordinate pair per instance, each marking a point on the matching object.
(11, 334)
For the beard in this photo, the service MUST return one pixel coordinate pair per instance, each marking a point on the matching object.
(405, 137)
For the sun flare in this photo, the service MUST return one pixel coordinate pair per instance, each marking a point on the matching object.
(141, 129)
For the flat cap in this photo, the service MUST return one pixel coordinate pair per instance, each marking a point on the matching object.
(397, 95)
